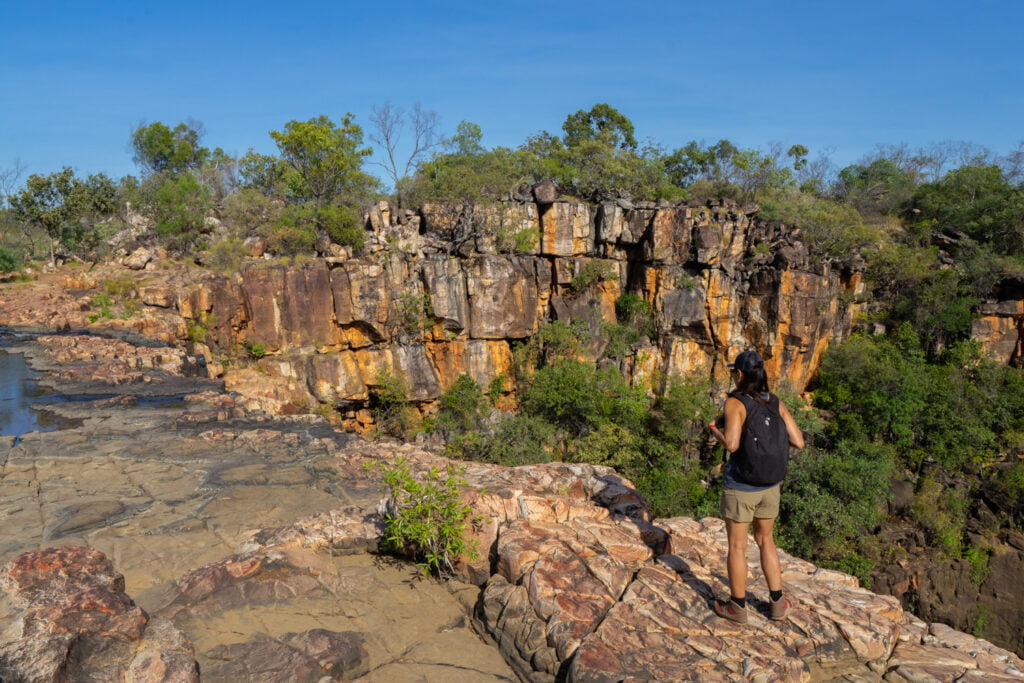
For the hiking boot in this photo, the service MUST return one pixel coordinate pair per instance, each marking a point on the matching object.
(731, 611)
(780, 607)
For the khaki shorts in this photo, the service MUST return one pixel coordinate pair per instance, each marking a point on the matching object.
(744, 506)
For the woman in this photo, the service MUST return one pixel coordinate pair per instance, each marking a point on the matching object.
(752, 500)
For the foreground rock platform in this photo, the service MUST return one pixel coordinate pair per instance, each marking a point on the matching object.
(164, 540)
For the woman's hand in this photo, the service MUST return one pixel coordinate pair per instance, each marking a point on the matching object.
(715, 427)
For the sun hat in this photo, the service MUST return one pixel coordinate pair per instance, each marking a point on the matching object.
(747, 361)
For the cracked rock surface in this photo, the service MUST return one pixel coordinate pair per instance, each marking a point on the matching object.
(244, 550)
(167, 492)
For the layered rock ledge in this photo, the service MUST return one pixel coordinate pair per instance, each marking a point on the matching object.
(570, 590)
(573, 589)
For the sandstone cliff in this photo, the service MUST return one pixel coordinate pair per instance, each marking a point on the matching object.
(448, 291)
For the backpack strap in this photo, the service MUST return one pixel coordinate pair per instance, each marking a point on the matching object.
(753, 405)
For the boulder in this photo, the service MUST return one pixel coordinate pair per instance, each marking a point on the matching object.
(139, 258)
(75, 622)
(545, 192)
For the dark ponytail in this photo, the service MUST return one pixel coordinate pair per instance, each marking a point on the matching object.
(754, 383)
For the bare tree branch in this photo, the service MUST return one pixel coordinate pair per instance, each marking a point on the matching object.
(9, 178)
(388, 123)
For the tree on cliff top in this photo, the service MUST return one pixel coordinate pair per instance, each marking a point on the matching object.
(327, 159)
(598, 151)
(159, 149)
(978, 201)
(602, 123)
(326, 170)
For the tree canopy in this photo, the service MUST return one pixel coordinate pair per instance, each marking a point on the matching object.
(159, 149)
(65, 206)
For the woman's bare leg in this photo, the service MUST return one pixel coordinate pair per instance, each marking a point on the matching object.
(737, 558)
(769, 553)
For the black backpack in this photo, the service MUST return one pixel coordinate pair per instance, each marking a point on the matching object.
(763, 454)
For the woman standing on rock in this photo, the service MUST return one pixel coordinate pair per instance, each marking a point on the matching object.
(758, 433)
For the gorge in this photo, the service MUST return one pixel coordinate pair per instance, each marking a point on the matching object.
(444, 292)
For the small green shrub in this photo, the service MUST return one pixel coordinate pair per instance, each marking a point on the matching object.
(287, 239)
(130, 308)
(509, 239)
(687, 282)
(412, 312)
(941, 512)
(341, 223)
(619, 340)
(428, 520)
(981, 621)
(591, 273)
(855, 564)
(9, 261)
(255, 350)
(978, 559)
(199, 328)
(634, 311)
(497, 388)
(104, 302)
(559, 340)
(226, 256)
(393, 412)
(670, 490)
(119, 287)
(515, 440)
(462, 407)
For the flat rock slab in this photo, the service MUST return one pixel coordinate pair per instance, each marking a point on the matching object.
(158, 497)
(378, 617)
(166, 492)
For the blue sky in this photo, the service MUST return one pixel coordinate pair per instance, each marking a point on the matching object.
(76, 77)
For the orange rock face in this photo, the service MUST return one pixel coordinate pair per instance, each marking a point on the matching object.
(455, 297)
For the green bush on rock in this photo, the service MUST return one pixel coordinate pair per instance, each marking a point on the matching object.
(428, 519)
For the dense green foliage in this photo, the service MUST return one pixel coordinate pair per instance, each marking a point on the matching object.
(324, 166)
(9, 261)
(832, 495)
(575, 411)
(953, 411)
(159, 149)
(181, 204)
(66, 207)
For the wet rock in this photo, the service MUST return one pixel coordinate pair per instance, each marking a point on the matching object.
(84, 516)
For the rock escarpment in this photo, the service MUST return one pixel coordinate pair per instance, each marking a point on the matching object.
(448, 292)
(443, 294)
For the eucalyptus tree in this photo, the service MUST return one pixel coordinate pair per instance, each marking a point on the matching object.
(390, 123)
(159, 149)
(65, 206)
(325, 163)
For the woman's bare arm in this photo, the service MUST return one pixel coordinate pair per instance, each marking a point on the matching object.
(796, 437)
(735, 414)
